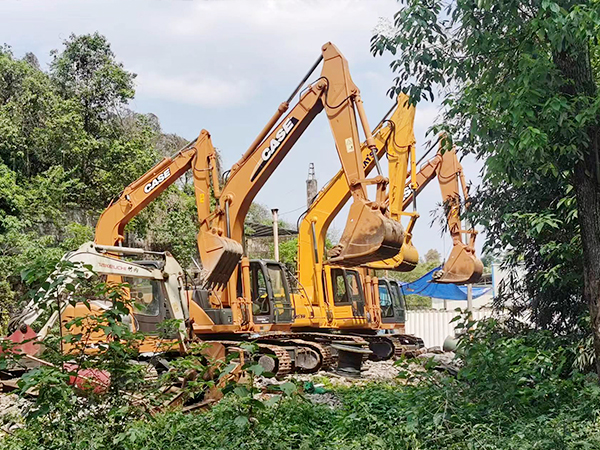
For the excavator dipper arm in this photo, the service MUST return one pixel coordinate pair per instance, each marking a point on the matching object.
(462, 266)
(395, 131)
(368, 235)
(200, 156)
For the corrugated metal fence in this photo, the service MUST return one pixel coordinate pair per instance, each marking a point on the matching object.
(433, 325)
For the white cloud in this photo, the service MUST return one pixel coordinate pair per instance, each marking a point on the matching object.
(204, 91)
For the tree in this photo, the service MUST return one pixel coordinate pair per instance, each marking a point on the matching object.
(519, 92)
(68, 145)
(87, 70)
(433, 256)
(37, 127)
(32, 60)
(288, 253)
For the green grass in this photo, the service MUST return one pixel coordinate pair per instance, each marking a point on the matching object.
(376, 416)
(515, 391)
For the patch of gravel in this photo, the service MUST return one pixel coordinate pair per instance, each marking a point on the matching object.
(379, 370)
(12, 408)
(328, 398)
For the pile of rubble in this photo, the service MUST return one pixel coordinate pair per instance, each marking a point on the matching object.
(12, 408)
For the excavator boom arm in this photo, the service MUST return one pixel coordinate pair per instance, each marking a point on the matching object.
(462, 266)
(369, 234)
(139, 194)
(393, 134)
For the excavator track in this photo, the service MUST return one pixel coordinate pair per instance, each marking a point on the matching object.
(320, 342)
(280, 366)
(283, 362)
(383, 347)
(406, 345)
(326, 358)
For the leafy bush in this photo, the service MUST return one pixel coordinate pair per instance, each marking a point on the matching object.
(514, 391)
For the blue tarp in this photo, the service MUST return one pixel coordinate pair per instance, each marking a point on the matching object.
(426, 287)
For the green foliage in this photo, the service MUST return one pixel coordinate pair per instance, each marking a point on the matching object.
(171, 224)
(513, 391)
(87, 72)
(288, 253)
(260, 214)
(68, 146)
(12, 200)
(71, 407)
(414, 301)
(516, 88)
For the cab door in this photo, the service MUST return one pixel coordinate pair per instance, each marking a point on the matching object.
(386, 301)
(261, 307)
(347, 292)
(270, 293)
(399, 302)
(149, 303)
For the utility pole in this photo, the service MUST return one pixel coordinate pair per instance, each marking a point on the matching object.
(469, 297)
(275, 233)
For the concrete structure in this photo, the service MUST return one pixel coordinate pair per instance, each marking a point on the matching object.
(312, 189)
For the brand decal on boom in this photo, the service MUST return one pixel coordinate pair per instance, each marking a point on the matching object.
(269, 151)
(156, 181)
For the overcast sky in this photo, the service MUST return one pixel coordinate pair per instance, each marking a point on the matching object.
(226, 66)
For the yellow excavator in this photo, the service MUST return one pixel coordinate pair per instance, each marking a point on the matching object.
(326, 302)
(249, 298)
(461, 266)
(235, 302)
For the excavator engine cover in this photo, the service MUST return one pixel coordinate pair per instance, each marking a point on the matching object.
(462, 267)
(221, 257)
(369, 236)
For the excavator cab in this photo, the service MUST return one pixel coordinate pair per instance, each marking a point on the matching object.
(270, 293)
(150, 304)
(391, 300)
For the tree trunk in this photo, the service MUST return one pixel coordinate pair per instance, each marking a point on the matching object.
(577, 71)
(588, 201)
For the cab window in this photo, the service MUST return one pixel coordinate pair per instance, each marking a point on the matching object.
(259, 292)
(339, 287)
(146, 295)
(282, 309)
(385, 300)
(277, 282)
(354, 286)
(399, 295)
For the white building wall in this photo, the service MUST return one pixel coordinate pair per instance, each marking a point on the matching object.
(433, 326)
(482, 301)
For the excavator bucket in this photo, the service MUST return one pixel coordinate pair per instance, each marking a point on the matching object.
(220, 257)
(369, 236)
(405, 261)
(462, 267)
